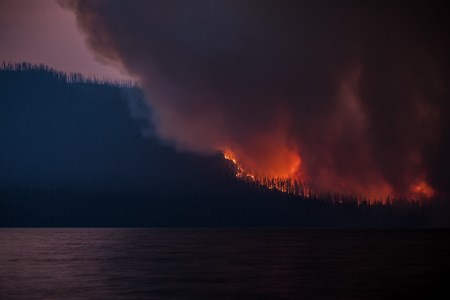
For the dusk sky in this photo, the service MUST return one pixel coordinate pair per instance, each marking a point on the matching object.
(43, 32)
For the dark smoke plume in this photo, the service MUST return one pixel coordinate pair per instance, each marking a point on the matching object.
(348, 96)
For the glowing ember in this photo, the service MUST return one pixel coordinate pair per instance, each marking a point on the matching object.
(240, 172)
(229, 156)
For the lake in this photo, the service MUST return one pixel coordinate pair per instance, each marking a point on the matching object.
(117, 263)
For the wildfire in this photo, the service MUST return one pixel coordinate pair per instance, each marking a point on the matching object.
(423, 189)
(229, 156)
(240, 172)
(292, 185)
(284, 184)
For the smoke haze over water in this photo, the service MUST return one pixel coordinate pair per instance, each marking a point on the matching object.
(350, 97)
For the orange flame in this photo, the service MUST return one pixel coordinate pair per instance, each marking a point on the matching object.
(290, 182)
(240, 172)
(422, 188)
(287, 184)
(286, 168)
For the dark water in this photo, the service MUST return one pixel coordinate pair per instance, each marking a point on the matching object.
(225, 264)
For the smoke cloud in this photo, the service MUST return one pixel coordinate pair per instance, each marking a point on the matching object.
(349, 96)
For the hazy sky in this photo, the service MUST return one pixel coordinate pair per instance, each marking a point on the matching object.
(43, 32)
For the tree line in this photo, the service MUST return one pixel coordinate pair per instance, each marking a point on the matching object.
(49, 73)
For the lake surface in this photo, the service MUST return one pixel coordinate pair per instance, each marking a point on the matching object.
(222, 263)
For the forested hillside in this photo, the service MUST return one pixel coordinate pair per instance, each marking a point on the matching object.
(82, 152)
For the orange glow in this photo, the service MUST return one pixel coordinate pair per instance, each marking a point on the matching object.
(288, 184)
(423, 189)
(228, 155)
(285, 167)
(240, 172)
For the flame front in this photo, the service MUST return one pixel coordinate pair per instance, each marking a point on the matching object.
(288, 183)
(240, 172)
(292, 183)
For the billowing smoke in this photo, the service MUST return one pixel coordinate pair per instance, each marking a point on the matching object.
(349, 97)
